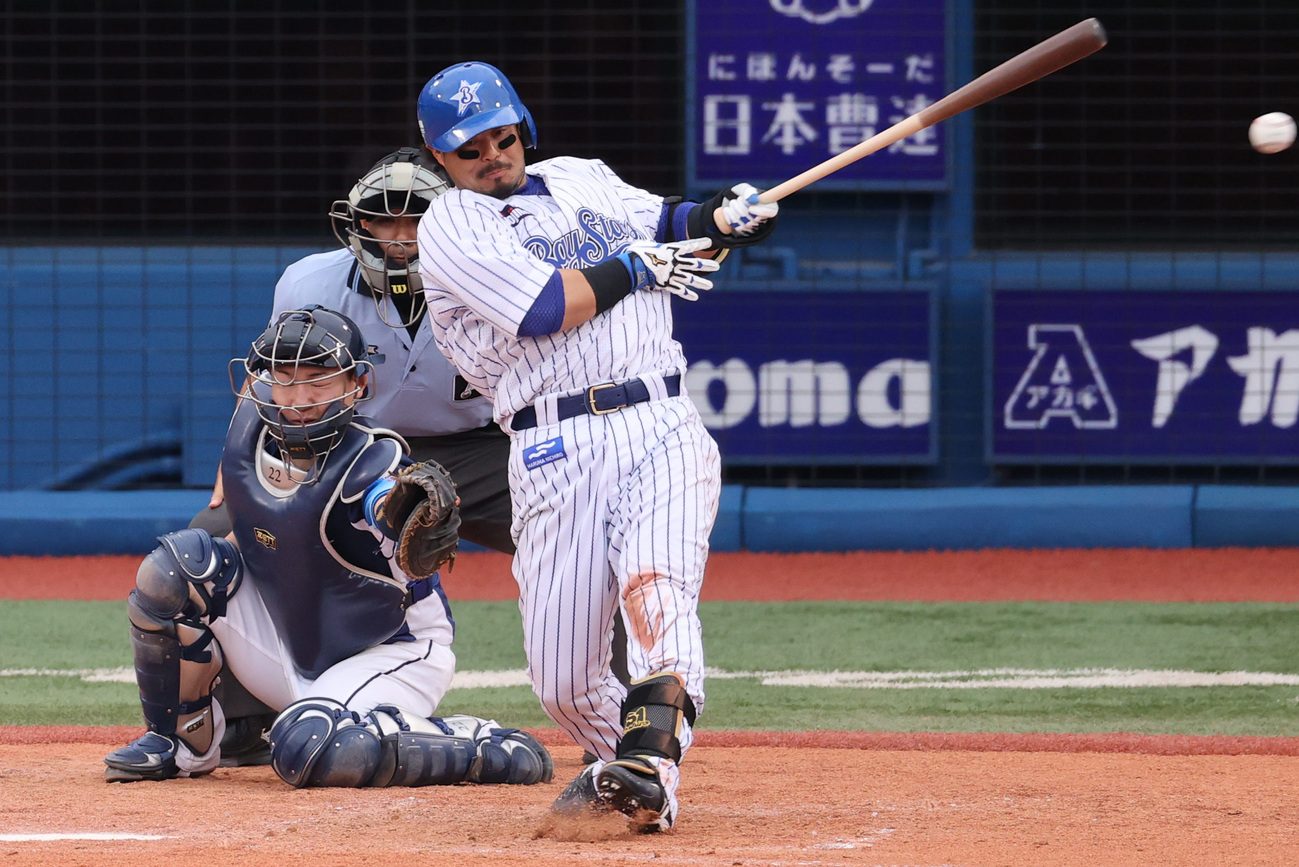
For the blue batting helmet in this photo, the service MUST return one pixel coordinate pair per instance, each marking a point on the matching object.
(466, 99)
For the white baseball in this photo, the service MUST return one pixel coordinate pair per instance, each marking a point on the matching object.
(1272, 133)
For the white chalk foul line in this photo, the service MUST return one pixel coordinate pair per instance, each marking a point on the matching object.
(1079, 678)
(46, 838)
(984, 678)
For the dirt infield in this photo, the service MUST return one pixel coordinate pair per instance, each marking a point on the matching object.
(804, 807)
(749, 798)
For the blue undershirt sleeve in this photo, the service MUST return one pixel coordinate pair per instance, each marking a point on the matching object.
(546, 315)
(672, 222)
(378, 489)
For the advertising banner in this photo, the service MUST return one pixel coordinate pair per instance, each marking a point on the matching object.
(777, 86)
(813, 377)
(1200, 377)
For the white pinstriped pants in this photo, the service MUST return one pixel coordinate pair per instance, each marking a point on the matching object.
(624, 518)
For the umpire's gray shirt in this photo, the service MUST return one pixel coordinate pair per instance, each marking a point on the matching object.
(414, 388)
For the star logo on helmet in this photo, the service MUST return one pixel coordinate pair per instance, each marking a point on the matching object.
(466, 96)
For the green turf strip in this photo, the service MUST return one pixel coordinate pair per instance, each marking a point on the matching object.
(821, 636)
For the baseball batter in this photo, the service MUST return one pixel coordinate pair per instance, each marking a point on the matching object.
(549, 289)
(324, 600)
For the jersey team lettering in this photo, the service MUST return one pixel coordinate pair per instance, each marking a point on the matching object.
(597, 237)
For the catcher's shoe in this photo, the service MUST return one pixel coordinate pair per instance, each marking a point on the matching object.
(581, 796)
(150, 757)
(246, 743)
(644, 788)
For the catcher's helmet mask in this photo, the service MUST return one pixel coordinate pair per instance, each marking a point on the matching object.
(402, 184)
(466, 99)
(297, 347)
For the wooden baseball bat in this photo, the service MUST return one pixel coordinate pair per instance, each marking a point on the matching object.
(1049, 55)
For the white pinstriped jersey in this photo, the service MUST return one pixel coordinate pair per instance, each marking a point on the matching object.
(611, 510)
(486, 260)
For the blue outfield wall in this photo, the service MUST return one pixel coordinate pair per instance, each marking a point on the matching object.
(122, 379)
(781, 519)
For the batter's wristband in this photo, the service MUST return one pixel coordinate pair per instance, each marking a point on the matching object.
(611, 281)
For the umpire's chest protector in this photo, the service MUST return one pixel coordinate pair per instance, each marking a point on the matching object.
(325, 583)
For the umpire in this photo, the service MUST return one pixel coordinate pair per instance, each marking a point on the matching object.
(374, 280)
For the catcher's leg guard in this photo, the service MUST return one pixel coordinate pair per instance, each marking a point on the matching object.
(319, 742)
(180, 587)
(642, 781)
(502, 755)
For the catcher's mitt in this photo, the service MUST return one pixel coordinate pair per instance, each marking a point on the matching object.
(424, 505)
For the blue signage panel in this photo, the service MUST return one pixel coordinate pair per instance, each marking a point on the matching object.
(1104, 377)
(778, 86)
(812, 377)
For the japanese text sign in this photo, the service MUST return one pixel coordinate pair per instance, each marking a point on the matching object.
(1145, 376)
(778, 86)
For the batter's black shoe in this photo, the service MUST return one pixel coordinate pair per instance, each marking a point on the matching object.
(643, 788)
(246, 742)
(149, 757)
(580, 796)
(589, 758)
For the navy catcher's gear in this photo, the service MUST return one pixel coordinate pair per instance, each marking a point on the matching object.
(502, 755)
(310, 338)
(319, 742)
(149, 757)
(331, 591)
(191, 573)
(470, 98)
(180, 587)
(401, 184)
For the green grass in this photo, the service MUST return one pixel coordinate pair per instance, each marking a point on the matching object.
(815, 636)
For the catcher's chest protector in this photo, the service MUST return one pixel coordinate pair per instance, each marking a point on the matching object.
(328, 588)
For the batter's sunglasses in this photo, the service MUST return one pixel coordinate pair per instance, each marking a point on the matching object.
(473, 153)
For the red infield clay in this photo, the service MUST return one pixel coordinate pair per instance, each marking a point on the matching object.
(808, 798)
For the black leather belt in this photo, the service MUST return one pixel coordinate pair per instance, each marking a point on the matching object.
(599, 399)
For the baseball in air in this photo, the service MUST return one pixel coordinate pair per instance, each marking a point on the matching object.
(1272, 133)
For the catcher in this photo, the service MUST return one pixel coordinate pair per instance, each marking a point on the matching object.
(324, 601)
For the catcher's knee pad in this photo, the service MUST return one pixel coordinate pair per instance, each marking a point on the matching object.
(191, 574)
(319, 742)
(180, 585)
(651, 717)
